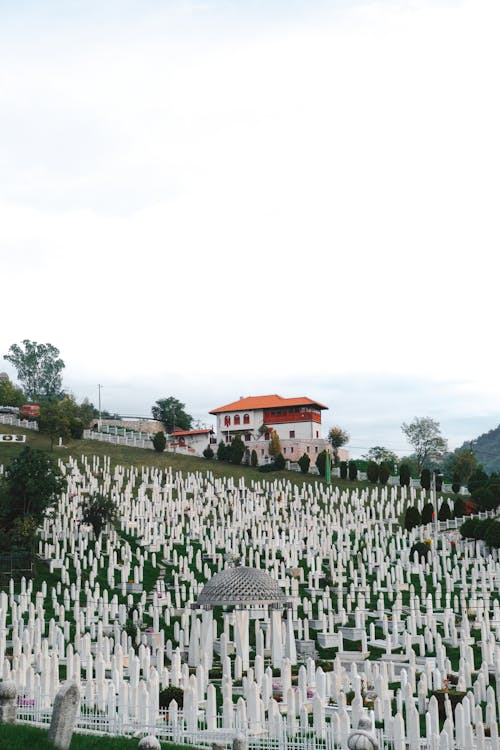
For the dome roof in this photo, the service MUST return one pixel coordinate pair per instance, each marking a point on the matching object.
(241, 586)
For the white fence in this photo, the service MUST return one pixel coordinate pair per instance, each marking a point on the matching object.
(16, 422)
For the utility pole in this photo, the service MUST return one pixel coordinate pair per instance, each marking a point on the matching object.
(100, 420)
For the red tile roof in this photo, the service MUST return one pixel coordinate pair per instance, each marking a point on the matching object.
(266, 402)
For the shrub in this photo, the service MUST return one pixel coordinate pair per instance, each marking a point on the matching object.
(169, 694)
(321, 463)
(280, 462)
(266, 468)
(459, 507)
(455, 483)
(485, 497)
(76, 428)
(98, 510)
(222, 451)
(159, 442)
(439, 482)
(208, 452)
(444, 512)
(236, 450)
(492, 536)
(384, 473)
(412, 517)
(353, 470)
(468, 528)
(304, 463)
(343, 469)
(477, 479)
(372, 471)
(425, 479)
(404, 475)
(422, 549)
(254, 461)
(427, 513)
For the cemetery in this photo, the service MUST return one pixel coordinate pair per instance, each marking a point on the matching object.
(273, 614)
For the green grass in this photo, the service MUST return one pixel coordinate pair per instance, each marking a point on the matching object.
(16, 736)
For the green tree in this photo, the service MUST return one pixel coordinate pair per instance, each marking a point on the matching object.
(353, 470)
(254, 461)
(10, 395)
(337, 437)
(427, 513)
(425, 479)
(384, 473)
(424, 435)
(159, 442)
(444, 513)
(492, 536)
(461, 464)
(30, 486)
(98, 510)
(280, 462)
(222, 451)
(372, 471)
(55, 420)
(459, 507)
(412, 517)
(170, 411)
(456, 484)
(404, 475)
(236, 450)
(274, 444)
(304, 462)
(343, 469)
(321, 463)
(39, 369)
(208, 452)
(380, 454)
(477, 479)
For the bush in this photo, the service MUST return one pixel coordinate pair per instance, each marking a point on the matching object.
(98, 510)
(169, 694)
(427, 513)
(477, 479)
(439, 482)
(222, 451)
(159, 442)
(492, 536)
(425, 479)
(485, 498)
(343, 469)
(321, 463)
(280, 462)
(468, 528)
(236, 450)
(254, 461)
(404, 475)
(459, 507)
(208, 453)
(422, 549)
(412, 517)
(455, 483)
(76, 428)
(384, 473)
(444, 512)
(353, 470)
(304, 463)
(267, 468)
(372, 471)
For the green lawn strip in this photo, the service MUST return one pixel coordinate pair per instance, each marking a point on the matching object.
(16, 736)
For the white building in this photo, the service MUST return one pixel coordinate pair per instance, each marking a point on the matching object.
(192, 442)
(296, 420)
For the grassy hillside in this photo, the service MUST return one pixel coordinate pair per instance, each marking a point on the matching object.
(16, 736)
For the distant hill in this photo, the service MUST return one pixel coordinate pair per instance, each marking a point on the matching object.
(487, 450)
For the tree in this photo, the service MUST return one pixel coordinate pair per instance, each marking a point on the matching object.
(280, 462)
(55, 420)
(343, 469)
(98, 510)
(427, 513)
(274, 444)
(461, 464)
(236, 450)
(404, 475)
(372, 471)
(10, 395)
(254, 461)
(353, 470)
(424, 435)
(208, 452)
(170, 411)
(412, 517)
(456, 484)
(477, 479)
(380, 454)
(425, 479)
(384, 473)
(444, 513)
(304, 462)
(159, 442)
(459, 507)
(337, 437)
(38, 368)
(321, 463)
(222, 451)
(31, 485)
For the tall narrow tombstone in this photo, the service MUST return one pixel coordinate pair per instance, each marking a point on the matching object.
(66, 705)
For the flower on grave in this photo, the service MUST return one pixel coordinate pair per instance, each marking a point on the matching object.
(428, 542)
(446, 684)
(310, 693)
(453, 544)
(25, 701)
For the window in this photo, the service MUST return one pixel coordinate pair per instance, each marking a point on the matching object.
(284, 450)
(292, 433)
(246, 418)
(316, 449)
(317, 434)
(266, 436)
(227, 421)
(308, 447)
(247, 437)
(236, 419)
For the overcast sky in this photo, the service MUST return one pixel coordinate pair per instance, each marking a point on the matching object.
(222, 198)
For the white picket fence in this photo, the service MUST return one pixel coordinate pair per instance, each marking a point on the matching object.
(26, 424)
